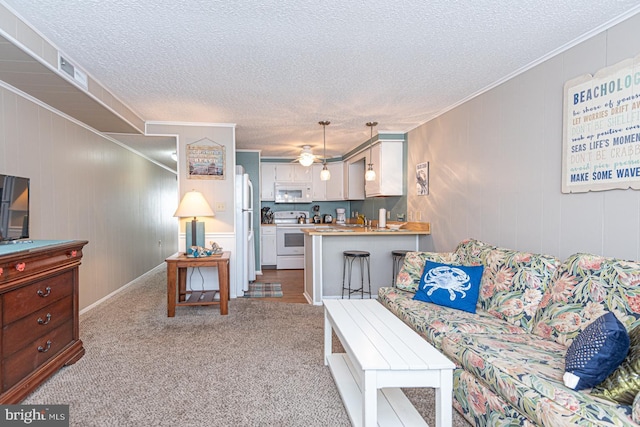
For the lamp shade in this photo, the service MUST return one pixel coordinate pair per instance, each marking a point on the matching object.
(193, 204)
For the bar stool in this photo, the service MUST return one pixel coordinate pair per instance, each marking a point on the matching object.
(397, 257)
(347, 266)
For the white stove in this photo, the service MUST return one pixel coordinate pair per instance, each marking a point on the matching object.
(290, 239)
(289, 217)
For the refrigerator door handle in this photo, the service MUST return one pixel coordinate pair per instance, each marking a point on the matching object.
(250, 196)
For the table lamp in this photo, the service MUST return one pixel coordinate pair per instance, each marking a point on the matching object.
(193, 204)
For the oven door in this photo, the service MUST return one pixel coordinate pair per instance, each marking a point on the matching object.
(289, 240)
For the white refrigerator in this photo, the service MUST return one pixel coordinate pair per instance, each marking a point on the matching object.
(245, 237)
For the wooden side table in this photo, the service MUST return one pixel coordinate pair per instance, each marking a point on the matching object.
(177, 265)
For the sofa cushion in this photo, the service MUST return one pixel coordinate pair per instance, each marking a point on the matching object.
(450, 285)
(583, 289)
(408, 278)
(433, 321)
(482, 407)
(596, 352)
(526, 371)
(513, 284)
(473, 252)
(623, 384)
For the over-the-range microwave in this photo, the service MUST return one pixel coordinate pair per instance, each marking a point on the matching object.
(293, 192)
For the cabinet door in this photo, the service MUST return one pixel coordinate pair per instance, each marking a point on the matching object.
(267, 181)
(334, 187)
(301, 173)
(268, 246)
(353, 179)
(319, 188)
(372, 188)
(284, 172)
(391, 168)
(387, 164)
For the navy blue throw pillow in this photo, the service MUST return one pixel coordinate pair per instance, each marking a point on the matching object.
(455, 286)
(596, 352)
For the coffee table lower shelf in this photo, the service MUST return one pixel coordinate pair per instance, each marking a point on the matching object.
(394, 408)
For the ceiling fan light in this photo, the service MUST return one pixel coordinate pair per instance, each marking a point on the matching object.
(325, 175)
(306, 159)
(306, 156)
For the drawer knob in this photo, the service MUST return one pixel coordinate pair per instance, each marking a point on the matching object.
(42, 349)
(46, 293)
(44, 322)
(20, 266)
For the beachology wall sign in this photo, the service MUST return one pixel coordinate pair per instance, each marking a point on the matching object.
(601, 141)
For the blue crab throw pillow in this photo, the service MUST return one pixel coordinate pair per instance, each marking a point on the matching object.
(450, 285)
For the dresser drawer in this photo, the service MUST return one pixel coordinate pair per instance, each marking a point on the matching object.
(20, 302)
(35, 353)
(36, 324)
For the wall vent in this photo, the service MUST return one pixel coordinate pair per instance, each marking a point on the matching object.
(72, 71)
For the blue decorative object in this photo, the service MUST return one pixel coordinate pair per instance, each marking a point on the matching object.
(455, 286)
(596, 352)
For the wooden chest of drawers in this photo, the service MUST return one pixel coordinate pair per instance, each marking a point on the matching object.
(39, 315)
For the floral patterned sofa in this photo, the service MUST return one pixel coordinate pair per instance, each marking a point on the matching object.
(510, 354)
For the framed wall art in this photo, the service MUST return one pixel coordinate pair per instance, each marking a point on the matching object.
(205, 160)
(422, 179)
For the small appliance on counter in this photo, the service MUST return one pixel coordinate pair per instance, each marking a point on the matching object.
(341, 217)
(316, 216)
(327, 219)
(267, 215)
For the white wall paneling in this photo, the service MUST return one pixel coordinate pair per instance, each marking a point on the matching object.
(84, 185)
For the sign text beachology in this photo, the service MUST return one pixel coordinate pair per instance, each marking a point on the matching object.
(601, 144)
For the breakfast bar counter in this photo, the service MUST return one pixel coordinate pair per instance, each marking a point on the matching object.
(323, 247)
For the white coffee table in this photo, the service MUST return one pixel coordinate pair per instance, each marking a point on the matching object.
(382, 355)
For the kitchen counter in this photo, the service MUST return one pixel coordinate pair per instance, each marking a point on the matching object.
(323, 247)
(423, 228)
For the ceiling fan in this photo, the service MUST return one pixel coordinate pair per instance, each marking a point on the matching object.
(307, 158)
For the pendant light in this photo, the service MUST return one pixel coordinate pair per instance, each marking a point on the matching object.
(325, 175)
(370, 175)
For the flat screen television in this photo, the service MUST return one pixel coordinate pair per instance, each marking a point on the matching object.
(14, 208)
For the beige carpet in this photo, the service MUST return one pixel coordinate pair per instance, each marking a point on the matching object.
(259, 366)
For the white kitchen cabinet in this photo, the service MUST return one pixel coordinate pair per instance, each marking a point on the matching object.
(267, 181)
(268, 245)
(335, 190)
(270, 173)
(386, 157)
(292, 172)
(318, 188)
(331, 189)
(353, 179)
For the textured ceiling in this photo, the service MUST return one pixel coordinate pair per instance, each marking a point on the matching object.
(275, 68)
